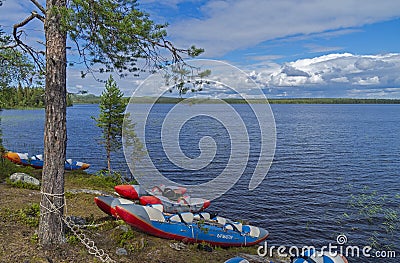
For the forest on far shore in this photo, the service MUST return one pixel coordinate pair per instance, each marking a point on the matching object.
(24, 98)
(33, 97)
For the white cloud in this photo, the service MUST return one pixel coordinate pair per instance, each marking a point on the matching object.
(375, 93)
(235, 24)
(367, 81)
(75, 83)
(335, 74)
(340, 80)
(318, 48)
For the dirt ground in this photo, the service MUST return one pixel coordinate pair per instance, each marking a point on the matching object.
(18, 239)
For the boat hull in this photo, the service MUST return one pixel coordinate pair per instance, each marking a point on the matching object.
(134, 192)
(37, 163)
(185, 204)
(107, 204)
(193, 232)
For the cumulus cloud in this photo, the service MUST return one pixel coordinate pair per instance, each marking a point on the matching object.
(234, 24)
(335, 74)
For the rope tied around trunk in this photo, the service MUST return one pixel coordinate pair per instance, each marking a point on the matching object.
(53, 208)
(76, 229)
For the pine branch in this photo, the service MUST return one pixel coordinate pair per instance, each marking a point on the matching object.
(35, 54)
(41, 8)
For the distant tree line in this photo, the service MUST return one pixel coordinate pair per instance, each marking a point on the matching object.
(168, 100)
(90, 99)
(333, 101)
(24, 97)
(85, 99)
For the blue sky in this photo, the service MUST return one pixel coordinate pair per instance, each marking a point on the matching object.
(291, 48)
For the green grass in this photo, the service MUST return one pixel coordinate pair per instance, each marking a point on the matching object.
(29, 215)
(7, 168)
(99, 181)
(73, 179)
(24, 185)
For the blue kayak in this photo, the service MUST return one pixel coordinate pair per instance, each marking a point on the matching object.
(189, 227)
(312, 256)
(36, 161)
(237, 260)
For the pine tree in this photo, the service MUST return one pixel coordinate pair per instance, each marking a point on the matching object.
(111, 118)
(110, 36)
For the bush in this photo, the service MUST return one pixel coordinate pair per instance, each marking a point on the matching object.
(7, 168)
(101, 180)
(30, 215)
(24, 185)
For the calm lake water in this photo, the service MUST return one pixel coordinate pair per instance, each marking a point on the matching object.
(326, 156)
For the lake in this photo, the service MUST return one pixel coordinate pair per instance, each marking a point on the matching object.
(335, 170)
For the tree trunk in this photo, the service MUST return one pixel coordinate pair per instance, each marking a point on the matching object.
(108, 150)
(51, 229)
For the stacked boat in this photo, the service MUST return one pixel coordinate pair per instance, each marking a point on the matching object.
(36, 161)
(174, 199)
(168, 212)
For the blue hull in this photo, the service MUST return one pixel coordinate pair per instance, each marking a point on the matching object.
(196, 231)
(37, 162)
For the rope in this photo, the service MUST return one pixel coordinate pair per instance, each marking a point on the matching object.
(53, 208)
(89, 244)
(76, 229)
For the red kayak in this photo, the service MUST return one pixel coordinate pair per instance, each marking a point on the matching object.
(108, 203)
(173, 198)
(135, 191)
(183, 204)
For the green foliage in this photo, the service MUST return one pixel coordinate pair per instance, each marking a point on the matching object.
(135, 149)
(129, 240)
(29, 215)
(22, 97)
(111, 118)
(113, 178)
(12, 58)
(101, 180)
(116, 34)
(125, 237)
(378, 211)
(24, 185)
(15, 67)
(372, 207)
(7, 168)
(72, 239)
(70, 102)
(85, 99)
(185, 78)
(34, 238)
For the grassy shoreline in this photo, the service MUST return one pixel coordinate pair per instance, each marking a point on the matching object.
(19, 223)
